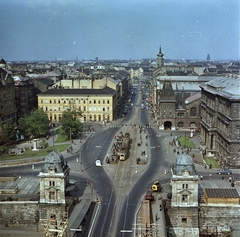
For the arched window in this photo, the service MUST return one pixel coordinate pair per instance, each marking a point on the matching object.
(180, 124)
(193, 112)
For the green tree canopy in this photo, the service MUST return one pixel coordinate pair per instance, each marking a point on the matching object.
(35, 124)
(8, 131)
(71, 122)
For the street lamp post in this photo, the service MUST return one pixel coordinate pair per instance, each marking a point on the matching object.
(70, 140)
(80, 160)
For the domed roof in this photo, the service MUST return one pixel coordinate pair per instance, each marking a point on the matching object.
(184, 162)
(54, 157)
(55, 160)
(184, 159)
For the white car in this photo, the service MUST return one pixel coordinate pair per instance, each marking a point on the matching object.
(98, 163)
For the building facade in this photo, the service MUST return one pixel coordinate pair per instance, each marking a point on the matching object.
(176, 109)
(184, 203)
(54, 179)
(25, 95)
(7, 97)
(95, 104)
(194, 210)
(220, 120)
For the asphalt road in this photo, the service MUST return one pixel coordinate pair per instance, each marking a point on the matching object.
(119, 187)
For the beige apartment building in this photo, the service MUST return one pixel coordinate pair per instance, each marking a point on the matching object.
(95, 104)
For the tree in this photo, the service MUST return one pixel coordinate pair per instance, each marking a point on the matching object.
(71, 124)
(8, 131)
(35, 124)
(43, 143)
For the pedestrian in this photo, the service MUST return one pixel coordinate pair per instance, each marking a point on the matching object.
(210, 176)
(230, 179)
(156, 217)
(201, 177)
(222, 178)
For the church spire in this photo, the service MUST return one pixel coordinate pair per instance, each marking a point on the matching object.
(160, 59)
(160, 54)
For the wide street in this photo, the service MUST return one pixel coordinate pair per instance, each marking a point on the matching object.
(120, 187)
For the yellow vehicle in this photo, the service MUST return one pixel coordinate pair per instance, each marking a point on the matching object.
(156, 186)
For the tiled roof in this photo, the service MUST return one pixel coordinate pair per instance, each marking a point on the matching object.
(103, 91)
(221, 193)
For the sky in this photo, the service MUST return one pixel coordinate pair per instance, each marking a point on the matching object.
(119, 29)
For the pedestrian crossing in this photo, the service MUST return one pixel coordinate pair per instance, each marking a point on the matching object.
(130, 126)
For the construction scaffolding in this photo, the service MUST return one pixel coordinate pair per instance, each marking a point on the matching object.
(54, 228)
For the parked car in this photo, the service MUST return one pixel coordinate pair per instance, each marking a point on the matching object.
(224, 171)
(98, 163)
(149, 195)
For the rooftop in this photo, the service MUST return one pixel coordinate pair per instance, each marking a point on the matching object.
(221, 193)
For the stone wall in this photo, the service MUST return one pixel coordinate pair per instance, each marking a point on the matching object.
(20, 214)
(216, 220)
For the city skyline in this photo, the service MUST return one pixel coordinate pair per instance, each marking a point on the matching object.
(49, 29)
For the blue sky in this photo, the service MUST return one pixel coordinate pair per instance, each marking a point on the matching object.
(119, 29)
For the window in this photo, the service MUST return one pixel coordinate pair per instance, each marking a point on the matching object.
(41, 100)
(103, 109)
(51, 183)
(193, 112)
(50, 101)
(180, 114)
(51, 195)
(184, 220)
(99, 102)
(184, 198)
(185, 186)
(108, 101)
(94, 101)
(54, 101)
(103, 101)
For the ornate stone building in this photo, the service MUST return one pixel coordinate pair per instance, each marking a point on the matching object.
(175, 95)
(194, 210)
(177, 110)
(184, 203)
(54, 179)
(220, 119)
